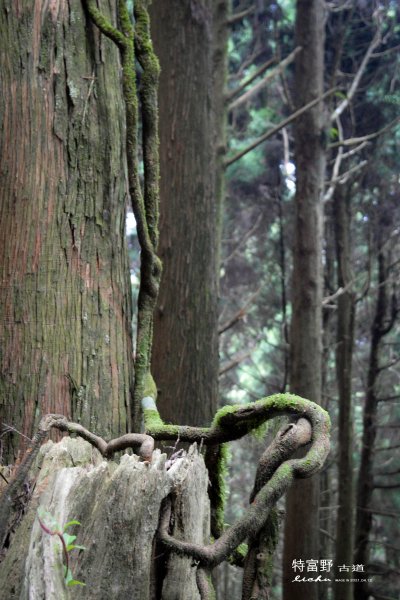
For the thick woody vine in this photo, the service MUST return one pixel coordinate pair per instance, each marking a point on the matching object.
(277, 469)
(276, 472)
(134, 44)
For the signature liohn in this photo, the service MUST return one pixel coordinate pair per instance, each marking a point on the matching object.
(319, 578)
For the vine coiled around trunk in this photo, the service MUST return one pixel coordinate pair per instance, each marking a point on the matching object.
(134, 43)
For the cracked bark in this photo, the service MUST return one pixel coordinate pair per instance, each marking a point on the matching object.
(65, 293)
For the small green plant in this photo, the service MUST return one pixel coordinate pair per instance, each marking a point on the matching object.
(50, 526)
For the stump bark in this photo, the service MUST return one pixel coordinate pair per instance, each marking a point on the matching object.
(118, 505)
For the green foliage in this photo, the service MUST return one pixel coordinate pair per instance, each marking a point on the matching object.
(250, 167)
(49, 525)
(392, 99)
(289, 11)
(333, 133)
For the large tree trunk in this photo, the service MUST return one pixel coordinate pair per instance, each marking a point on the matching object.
(118, 507)
(65, 301)
(344, 359)
(302, 523)
(185, 349)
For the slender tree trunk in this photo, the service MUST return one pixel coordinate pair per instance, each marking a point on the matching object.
(221, 10)
(365, 484)
(344, 359)
(328, 496)
(185, 349)
(66, 311)
(302, 521)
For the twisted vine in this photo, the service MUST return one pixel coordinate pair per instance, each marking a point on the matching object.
(275, 473)
(134, 42)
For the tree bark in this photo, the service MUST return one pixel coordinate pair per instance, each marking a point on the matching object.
(301, 525)
(185, 324)
(344, 359)
(66, 311)
(327, 493)
(118, 507)
(365, 483)
(221, 11)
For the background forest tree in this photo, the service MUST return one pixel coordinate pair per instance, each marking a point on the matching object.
(361, 139)
(242, 64)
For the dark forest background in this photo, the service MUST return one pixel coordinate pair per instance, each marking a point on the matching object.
(358, 506)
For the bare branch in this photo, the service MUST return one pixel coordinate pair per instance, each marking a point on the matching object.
(234, 362)
(339, 292)
(357, 78)
(336, 167)
(240, 314)
(244, 239)
(239, 16)
(388, 365)
(233, 93)
(258, 86)
(277, 128)
(390, 398)
(355, 150)
(140, 442)
(7, 428)
(381, 513)
(366, 138)
(345, 176)
(245, 65)
(385, 52)
(328, 535)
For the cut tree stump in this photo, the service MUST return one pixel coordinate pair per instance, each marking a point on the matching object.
(118, 506)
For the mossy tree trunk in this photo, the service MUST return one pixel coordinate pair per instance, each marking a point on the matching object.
(301, 525)
(66, 310)
(185, 349)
